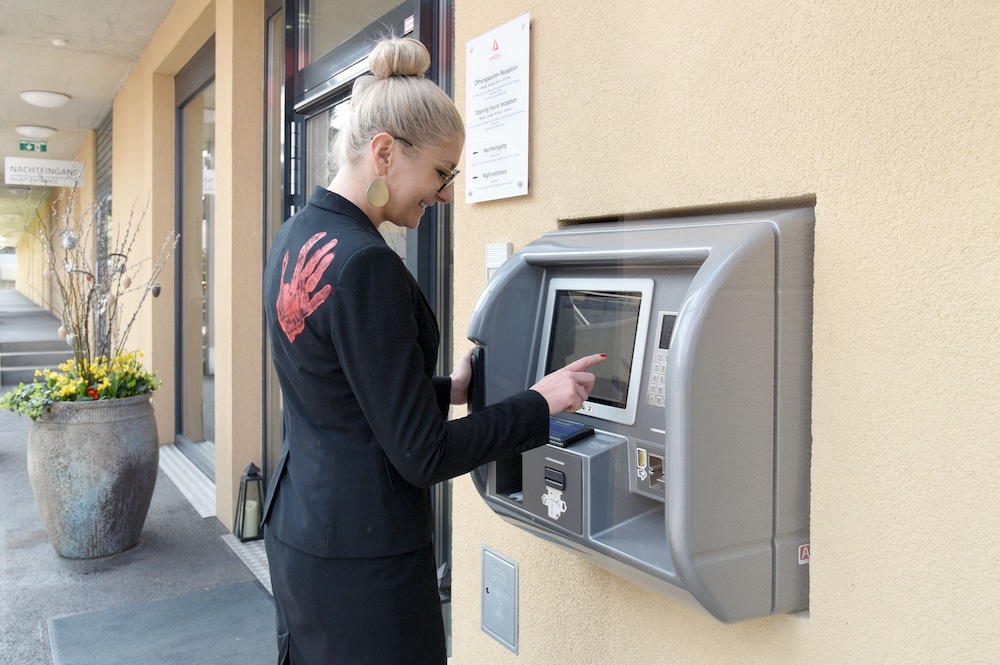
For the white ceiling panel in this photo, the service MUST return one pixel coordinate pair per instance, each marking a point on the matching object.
(104, 39)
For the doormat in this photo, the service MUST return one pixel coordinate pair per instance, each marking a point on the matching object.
(232, 624)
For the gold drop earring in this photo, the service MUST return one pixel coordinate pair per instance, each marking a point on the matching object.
(378, 193)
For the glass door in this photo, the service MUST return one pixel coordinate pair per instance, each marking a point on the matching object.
(195, 346)
(321, 131)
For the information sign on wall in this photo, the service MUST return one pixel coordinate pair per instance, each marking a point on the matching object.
(42, 172)
(496, 143)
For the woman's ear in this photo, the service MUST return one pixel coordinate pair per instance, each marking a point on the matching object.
(380, 152)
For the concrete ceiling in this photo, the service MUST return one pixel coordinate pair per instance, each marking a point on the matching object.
(103, 40)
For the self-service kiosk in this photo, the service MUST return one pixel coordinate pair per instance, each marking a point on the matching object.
(687, 470)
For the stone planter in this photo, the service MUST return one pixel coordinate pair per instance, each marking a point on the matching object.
(92, 467)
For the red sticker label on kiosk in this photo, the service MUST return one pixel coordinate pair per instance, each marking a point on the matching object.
(803, 554)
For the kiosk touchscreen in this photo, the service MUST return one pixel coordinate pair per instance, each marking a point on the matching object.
(586, 316)
(686, 470)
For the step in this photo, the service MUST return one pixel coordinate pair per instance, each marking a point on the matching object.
(36, 358)
(19, 360)
(16, 375)
(33, 345)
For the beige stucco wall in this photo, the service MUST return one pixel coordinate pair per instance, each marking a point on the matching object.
(144, 144)
(143, 175)
(36, 210)
(239, 62)
(887, 114)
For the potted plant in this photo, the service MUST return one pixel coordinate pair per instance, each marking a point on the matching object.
(93, 449)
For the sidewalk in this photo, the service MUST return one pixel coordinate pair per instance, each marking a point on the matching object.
(56, 611)
(22, 320)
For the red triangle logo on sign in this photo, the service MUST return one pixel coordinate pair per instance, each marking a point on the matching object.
(496, 46)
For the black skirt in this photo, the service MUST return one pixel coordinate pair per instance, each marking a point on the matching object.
(379, 611)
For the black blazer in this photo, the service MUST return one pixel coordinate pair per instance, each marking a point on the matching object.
(365, 433)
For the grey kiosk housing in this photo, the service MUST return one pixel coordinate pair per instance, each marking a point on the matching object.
(687, 471)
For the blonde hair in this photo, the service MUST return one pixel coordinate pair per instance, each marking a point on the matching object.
(398, 100)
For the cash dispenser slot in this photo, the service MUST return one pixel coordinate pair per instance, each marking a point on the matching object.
(555, 479)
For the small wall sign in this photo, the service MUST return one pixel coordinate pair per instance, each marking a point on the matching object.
(33, 146)
(44, 172)
(496, 106)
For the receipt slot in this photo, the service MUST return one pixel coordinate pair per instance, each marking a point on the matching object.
(687, 470)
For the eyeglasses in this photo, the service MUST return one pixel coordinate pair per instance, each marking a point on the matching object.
(447, 176)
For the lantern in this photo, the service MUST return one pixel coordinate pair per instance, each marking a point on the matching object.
(249, 504)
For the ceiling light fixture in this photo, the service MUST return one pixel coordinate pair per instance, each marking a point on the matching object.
(45, 98)
(59, 41)
(35, 131)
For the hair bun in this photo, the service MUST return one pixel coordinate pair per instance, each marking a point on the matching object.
(399, 57)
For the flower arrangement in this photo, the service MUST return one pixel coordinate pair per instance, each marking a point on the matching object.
(91, 283)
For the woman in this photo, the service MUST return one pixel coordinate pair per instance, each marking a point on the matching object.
(365, 432)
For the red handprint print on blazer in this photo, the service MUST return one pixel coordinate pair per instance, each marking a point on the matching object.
(294, 302)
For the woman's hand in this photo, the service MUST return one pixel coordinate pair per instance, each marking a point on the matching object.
(460, 378)
(567, 389)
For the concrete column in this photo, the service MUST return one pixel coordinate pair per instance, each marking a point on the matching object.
(239, 76)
